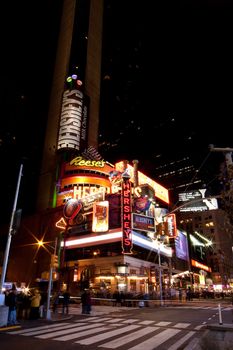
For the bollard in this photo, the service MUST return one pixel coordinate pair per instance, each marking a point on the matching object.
(220, 313)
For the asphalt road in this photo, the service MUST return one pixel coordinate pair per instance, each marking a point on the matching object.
(163, 328)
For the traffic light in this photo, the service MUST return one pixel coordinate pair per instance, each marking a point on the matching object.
(54, 261)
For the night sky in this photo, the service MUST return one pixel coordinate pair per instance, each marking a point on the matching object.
(166, 85)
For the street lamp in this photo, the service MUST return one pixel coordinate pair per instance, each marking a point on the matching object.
(53, 263)
(160, 275)
(10, 232)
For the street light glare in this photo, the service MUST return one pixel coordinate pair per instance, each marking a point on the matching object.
(40, 243)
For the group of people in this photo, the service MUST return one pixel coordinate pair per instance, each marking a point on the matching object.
(65, 299)
(21, 305)
(119, 298)
(32, 306)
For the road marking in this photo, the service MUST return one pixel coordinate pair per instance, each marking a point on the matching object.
(88, 319)
(100, 337)
(98, 331)
(36, 332)
(131, 320)
(181, 341)
(115, 320)
(67, 331)
(38, 328)
(182, 325)
(146, 322)
(81, 334)
(100, 319)
(197, 328)
(158, 339)
(7, 328)
(163, 323)
(128, 338)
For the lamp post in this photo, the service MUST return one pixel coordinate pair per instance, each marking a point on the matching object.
(160, 275)
(6, 256)
(48, 312)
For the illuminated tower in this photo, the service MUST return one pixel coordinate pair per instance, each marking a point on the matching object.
(76, 47)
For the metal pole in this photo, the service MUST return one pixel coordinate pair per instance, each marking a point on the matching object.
(160, 278)
(48, 312)
(6, 256)
(220, 313)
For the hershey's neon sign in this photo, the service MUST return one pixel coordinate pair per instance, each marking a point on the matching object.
(127, 242)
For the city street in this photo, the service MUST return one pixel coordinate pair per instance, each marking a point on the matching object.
(163, 328)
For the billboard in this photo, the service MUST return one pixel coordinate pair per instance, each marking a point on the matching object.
(74, 121)
(196, 201)
(100, 216)
(181, 246)
(143, 222)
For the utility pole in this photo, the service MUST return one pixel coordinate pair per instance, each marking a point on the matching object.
(6, 256)
(51, 269)
(160, 276)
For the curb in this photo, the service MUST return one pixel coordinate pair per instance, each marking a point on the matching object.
(7, 328)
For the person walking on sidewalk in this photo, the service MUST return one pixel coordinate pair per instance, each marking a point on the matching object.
(56, 301)
(65, 302)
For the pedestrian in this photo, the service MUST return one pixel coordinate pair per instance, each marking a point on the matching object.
(56, 301)
(189, 294)
(43, 303)
(117, 297)
(35, 305)
(122, 298)
(11, 302)
(86, 302)
(180, 294)
(26, 306)
(65, 302)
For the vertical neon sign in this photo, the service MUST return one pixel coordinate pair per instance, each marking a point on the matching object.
(127, 242)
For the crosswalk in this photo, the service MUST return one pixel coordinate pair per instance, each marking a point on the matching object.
(113, 333)
(77, 311)
(202, 308)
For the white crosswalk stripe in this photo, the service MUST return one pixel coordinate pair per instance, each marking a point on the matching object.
(103, 336)
(21, 331)
(181, 341)
(81, 334)
(182, 325)
(158, 339)
(112, 333)
(199, 308)
(129, 337)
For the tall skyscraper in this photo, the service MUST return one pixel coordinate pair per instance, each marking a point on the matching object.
(79, 49)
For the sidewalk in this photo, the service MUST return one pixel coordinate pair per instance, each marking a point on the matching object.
(97, 310)
(216, 337)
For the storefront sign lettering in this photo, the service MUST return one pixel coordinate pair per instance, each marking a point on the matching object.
(126, 217)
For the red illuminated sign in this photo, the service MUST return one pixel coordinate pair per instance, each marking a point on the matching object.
(127, 242)
(171, 225)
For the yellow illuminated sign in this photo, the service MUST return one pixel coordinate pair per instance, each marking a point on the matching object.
(160, 191)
